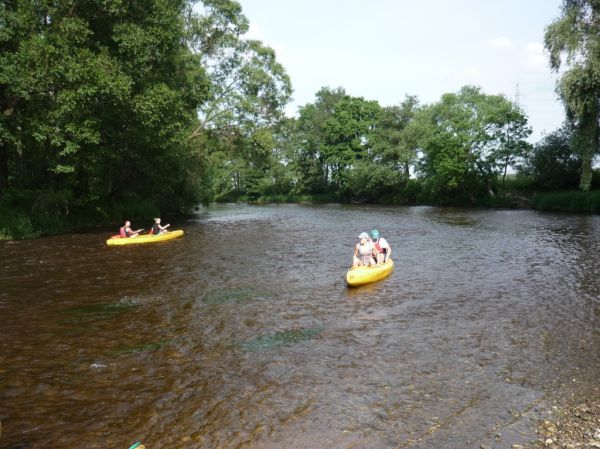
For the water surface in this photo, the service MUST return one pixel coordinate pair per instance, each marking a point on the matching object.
(243, 334)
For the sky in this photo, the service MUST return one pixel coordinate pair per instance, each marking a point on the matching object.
(385, 49)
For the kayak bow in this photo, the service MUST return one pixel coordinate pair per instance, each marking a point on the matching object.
(365, 275)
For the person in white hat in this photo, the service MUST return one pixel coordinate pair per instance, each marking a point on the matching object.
(363, 252)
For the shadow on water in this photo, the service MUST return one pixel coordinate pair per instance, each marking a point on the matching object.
(234, 296)
(143, 347)
(452, 217)
(95, 312)
(284, 338)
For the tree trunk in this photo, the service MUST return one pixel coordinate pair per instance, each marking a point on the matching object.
(585, 181)
(3, 168)
(505, 168)
(589, 146)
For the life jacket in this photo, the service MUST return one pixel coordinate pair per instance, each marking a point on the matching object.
(122, 231)
(379, 248)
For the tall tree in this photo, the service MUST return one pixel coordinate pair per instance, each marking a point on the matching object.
(465, 141)
(248, 91)
(575, 35)
(248, 87)
(347, 133)
(309, 156)
(392, 141)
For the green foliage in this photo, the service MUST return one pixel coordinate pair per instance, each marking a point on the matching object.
(16, 225)
(393, 140)
(551, 163)
(467, 140)
(575, 36)
(369, 181)
(107, 105)
(94, 97)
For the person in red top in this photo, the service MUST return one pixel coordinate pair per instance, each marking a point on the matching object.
(382, 248)
(126, 231)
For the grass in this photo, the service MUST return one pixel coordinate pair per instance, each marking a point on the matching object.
(568, 201)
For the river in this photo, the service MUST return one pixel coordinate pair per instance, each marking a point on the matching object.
(243, 334)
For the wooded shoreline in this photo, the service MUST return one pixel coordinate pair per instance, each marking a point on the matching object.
(16, 225)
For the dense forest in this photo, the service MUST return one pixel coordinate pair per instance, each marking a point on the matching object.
(113, 109)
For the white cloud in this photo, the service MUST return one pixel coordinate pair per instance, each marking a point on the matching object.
(254, 32)
(468, 75)
(534, 57)
(500, 42)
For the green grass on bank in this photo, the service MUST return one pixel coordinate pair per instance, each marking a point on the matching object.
(568, 201)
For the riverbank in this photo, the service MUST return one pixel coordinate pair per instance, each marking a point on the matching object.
(575, 425)
(570, 201)
(20, 223)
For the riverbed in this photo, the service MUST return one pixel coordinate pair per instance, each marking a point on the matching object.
(243, 333)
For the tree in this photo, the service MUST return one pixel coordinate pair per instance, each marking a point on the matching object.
(95, 96)
(392, 141)
(248, 90)
(347, 136)
(248, 87)
(575, 35)
(467, 139)
(552, 163)
(308, 159)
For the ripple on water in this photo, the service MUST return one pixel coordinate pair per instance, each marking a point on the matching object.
(487, 318)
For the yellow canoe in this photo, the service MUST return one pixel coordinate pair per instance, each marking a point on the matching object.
(144, 238)
(365, 275)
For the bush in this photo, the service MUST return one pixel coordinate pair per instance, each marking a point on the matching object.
(15, 225)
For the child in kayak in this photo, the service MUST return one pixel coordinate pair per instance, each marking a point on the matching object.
(382, 248)
(125, 231)
(363, 252)
(157, 228)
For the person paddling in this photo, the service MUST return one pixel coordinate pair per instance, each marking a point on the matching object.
(382, 248)
(157, 228)
(125, 231)
(363, 252)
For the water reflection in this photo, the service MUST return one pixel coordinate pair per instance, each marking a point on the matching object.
(488, 316)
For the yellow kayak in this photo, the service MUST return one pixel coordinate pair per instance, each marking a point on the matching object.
(365, 275)
(144, 238)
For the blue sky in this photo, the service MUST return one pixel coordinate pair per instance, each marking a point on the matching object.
(384, 49)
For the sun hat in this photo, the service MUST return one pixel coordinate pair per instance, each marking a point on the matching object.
(363, 235)
(375, 234)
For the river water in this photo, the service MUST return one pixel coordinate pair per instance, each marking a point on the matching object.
(243, 334)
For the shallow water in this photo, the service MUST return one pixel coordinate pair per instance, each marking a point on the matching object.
(243, 334)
